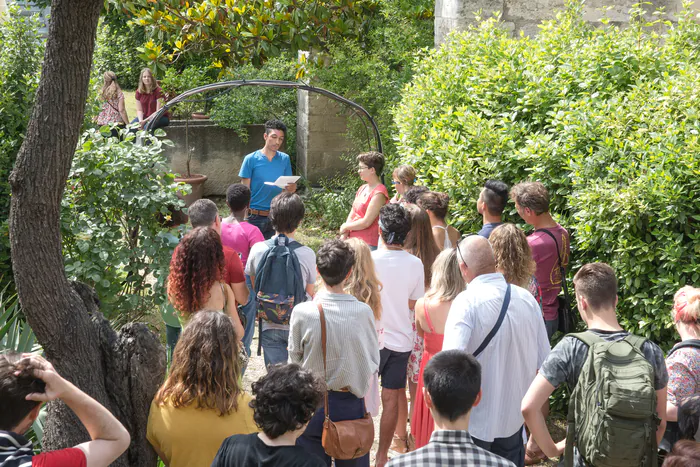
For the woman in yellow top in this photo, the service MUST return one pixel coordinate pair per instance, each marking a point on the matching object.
(202, 402)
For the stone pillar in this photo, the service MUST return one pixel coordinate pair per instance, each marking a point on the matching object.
(321, 136)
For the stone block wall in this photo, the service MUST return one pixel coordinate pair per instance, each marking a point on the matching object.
(216, 152)
(525, 15)
(321, 136)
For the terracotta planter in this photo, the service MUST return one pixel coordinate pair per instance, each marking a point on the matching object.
(200, 116)
(196, 181)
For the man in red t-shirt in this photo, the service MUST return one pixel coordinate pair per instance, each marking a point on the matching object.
(26, 381)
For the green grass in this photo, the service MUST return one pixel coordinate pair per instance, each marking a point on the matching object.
(130, 104)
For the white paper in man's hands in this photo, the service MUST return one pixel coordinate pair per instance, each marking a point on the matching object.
(284, 180)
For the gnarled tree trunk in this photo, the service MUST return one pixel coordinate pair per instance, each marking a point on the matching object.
(122, 371)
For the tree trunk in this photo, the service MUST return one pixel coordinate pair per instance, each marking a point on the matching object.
(121, 371)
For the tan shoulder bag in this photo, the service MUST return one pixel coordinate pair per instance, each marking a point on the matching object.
(348, 439)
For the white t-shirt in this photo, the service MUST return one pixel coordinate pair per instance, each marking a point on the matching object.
(307, 261)
(402, 278)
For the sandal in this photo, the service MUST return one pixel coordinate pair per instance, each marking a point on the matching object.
(399, 445)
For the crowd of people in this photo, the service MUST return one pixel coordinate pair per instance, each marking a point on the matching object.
(448, 337)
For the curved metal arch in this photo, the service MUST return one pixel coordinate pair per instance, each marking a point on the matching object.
(268, 83)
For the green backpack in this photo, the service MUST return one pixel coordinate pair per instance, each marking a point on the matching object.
(612, 413)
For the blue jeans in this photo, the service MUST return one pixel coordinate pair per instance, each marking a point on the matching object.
(342, 406)
(274, 344)
(263, 223)
(249, 310)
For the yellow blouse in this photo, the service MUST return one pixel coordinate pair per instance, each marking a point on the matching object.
(191, 437)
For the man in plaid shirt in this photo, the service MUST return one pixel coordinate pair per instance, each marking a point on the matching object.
(452, 386)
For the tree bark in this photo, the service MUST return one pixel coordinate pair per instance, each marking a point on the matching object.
(122, 371)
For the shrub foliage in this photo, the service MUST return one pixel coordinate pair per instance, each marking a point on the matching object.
(606, 118)
(116, 196)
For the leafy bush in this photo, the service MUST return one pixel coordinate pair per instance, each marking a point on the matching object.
(255, 104)
(117, 50)
(116, 197)
(605, 118)
(20, 68)
(177, 82)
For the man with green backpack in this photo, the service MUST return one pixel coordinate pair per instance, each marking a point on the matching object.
(617, 381)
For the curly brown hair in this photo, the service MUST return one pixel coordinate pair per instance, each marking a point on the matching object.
(197, 263)
(205, 368)
(513, 255)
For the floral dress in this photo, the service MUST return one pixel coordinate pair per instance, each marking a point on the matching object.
(110, 111)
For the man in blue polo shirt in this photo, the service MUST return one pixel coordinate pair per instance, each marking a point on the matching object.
(266, 165)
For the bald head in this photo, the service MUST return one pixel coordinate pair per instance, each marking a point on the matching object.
(478, 256)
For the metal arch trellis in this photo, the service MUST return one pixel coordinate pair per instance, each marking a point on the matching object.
(228, 85)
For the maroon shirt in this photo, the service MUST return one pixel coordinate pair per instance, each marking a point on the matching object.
(544, 252)
(149, 102)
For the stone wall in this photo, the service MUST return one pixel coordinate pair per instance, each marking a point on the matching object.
(524, 15)
(216, 152)
(321, 140)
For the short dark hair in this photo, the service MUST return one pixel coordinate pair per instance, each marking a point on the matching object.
(685, 453)
(237, 197)
(532, 195)
(395, 223)
(413, 193)
(373, 160)
(202, 213)
(597, 283)
(453, 380)
(495, 196)
(286, 212)
(689, 416)
(435, 202)
(275, 125)
(334, 259)
(14, 389)
(285, 398)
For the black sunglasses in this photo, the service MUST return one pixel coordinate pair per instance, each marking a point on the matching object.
(459, 252)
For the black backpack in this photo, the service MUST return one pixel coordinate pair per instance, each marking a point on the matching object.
(279, 283)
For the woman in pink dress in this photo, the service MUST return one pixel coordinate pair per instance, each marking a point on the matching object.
(363, 220)
(431, 315)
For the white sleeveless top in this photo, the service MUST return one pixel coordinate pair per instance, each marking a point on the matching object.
(447, 243)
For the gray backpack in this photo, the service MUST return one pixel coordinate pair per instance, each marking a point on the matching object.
(612, 412)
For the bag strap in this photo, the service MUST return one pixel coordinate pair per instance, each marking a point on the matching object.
(117, 110)
(690, 343)
(587, 337)
(323, 346)
(501, 316)
(635, 341)
(562, 269)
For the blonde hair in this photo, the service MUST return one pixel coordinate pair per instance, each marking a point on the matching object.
(686, 305)
(110, 88)
(143, 89)
(406, 174)
(363, 283)
(513, 255)
(447, 281)
(420, 241)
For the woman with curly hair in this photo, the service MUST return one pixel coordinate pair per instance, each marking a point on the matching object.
(285, 400)
(196, 278)
(514, 258)
(364, 285)
(202, 401)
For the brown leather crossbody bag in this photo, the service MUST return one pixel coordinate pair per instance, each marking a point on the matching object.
(348, 439)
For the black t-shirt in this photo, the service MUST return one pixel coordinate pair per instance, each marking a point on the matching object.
(250, 451)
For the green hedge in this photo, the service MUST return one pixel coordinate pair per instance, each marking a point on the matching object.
(606, 118)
